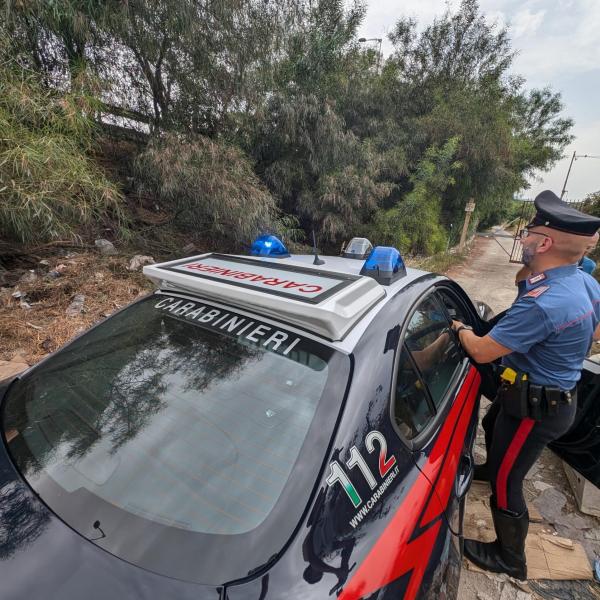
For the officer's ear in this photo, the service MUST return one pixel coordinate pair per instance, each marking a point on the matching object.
(545, 245)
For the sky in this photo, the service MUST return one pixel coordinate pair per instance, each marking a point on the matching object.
(557, 46)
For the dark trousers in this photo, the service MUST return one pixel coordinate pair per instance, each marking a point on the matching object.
(513, 445)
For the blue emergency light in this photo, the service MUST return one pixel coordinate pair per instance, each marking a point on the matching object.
(384, 264)
(269, 245)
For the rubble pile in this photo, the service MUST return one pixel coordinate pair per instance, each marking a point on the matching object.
(46, 299)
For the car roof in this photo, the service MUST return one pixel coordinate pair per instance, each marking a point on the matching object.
(339, 310)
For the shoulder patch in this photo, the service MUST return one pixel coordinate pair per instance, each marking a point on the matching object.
(536, 278)
(538, 291)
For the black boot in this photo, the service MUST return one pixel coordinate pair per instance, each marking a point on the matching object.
(480, 472)
(507, 553)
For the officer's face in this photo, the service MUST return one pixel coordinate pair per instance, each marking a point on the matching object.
(531, 240)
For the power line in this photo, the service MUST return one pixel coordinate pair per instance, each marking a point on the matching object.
(574, 158)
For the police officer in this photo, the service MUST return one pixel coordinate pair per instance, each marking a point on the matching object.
(542, 340)
(586, 263)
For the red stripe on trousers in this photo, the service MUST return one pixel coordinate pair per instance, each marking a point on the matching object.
(509, 460)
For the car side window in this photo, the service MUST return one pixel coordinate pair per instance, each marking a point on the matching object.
(453, 307)
(412, 407)
(433, 347)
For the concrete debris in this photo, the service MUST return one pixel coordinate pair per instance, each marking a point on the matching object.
(138, 261)
(510, 592)
(573, 521)
(592, 535)
(105, 247)
(532, 474)
(76, 306)
(28, 277)
(540, 486)
(550, 503)
(56, 272)
(10, 368)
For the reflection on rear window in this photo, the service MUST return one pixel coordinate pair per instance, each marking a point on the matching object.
(181, 413)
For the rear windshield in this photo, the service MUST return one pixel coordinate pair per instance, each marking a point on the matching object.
(173, 428)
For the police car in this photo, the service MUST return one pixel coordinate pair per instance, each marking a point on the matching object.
(260, 427)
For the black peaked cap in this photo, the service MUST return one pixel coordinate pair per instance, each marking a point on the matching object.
(554, 213)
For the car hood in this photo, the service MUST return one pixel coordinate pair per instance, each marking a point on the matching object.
(41, 557)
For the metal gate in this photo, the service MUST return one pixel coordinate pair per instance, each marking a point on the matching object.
(527, 213)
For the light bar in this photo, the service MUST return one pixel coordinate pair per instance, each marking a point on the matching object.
(358, 248)
(385, 265)
(327, 303)
(269, 245)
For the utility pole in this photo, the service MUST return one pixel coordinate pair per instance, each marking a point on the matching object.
(567, 177)
(469, 208)
(573, 158)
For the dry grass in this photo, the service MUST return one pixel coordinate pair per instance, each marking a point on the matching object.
(104, 281)
(438, 263)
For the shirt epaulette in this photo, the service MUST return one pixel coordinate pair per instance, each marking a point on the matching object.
(536, 292)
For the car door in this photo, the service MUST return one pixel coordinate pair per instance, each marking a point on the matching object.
(443, 451)
(580, 446)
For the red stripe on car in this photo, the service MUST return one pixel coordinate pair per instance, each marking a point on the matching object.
(393, 554)
(445, 483)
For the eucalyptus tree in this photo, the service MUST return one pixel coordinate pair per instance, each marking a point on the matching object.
(453, 79)
(198, 65)
(59, 37)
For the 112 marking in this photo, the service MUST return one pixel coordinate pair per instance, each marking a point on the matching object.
(337, 473)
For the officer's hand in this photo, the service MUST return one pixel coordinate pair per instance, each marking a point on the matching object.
(456, 325)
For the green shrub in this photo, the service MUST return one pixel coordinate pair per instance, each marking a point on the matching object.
(49, 186)
(413, 224)
(209, 187)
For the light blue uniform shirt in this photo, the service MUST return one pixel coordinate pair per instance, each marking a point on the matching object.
(550, 326)
(587, 264)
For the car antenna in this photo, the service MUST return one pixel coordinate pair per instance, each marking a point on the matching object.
(317, 260)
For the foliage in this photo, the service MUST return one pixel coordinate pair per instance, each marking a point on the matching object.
(453, 80)
(49, 186)
(208, 187)
(58, 34)
(331, 135)
(592, 204)
(413, 225)
(317, 168)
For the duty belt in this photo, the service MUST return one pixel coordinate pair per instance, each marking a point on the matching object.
(520, 398)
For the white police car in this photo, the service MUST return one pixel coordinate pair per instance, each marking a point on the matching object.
(258, 428)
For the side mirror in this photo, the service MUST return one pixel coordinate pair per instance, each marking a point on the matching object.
(484, 310)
